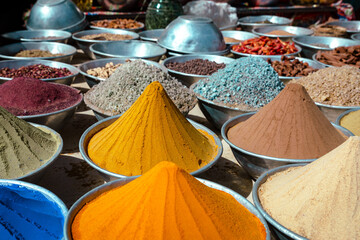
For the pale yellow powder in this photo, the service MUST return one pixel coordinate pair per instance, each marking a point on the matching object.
(351, 121)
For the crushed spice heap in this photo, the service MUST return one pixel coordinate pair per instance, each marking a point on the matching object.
(290, 126)
(166, 203)
(150, 131)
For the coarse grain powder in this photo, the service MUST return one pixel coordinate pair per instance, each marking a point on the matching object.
(339, 86)
(125, 85)
(319, 201)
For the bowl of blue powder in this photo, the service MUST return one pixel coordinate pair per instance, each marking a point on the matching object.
(244, 85)
(28, 211)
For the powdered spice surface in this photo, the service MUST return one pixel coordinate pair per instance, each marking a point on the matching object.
(290, 126)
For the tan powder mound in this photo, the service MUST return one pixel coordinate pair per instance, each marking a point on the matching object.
(290, 126)
(319, 201)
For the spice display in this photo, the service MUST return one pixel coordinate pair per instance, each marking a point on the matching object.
(23, 147)
(24, 96)
(247, 83)
(265, 46)
(104, 72)
(125, 85)
(28, 214)
(196, 66)
(340, 56)
(166, 203)
(107, 36)
(280, 32)
(118, 23)
(36, 53)
(39, 71)
(351, 121)
(329, 31)
(158, 132)
(337, 86)
(291, 126)
(291, 67)
(230, 40)
(320, 200)
(160, 13)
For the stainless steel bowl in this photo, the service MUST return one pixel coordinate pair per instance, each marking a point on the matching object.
(186, 78)
(131, 48)
(309, 49)
(355, 36)
(9, 51)
(239, 35)
(38, 36)
(151, 35)
(250, 22)
(85, 44)
(296, 31)
(37, 174)
(338, 119)
(16, 64)
(279, 230)
(333, 112)
(351, 26)
(142, 26)
(110, 176)
(192, 34)
(257, 164)
(54, 120)
(56, 14)
(91, 195)
(92, 80)
(238, 54)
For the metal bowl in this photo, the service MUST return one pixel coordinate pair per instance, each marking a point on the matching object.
(56, 14)
(131, 48)
(91, 195)
(142, 25)
(54, 120)
(238, 54)
(37, 174)
(309, 49)
(192, 34)
(239, 35)
(333, 112)
(9, 51)
(92, 80)
(151, 35)
(296, 31)
(355, 36)
(248, 23)
(15, 64)
(351, 26)
(279, 230)
(38, 36)
(257, 164)
(339, 118)
(110, 176)
(85, 44)
(186, 78)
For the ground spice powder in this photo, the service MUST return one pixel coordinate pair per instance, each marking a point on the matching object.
(290, 126)
(150, 131)
(351, 121)
(166, 203)
(319, 201)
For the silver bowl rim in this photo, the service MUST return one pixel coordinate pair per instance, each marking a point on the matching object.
(121, 182)
(70, 67)
(355, 36)
(233, 146)
(241, 20)
(203, 56)
(258, 205)
(72, 50)
(338, 119)
(131, 29)
(255, 31)
(298, 41)
(264, 56)
(52, 159)
(151, 44)
(65, 35)
(86, 32)
(85, 156)
(143, 36)
(347, 30)
(336, 107)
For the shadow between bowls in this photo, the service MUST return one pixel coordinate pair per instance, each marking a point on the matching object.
(110, 176)
(91, 195)
(256, 164)
(279, 230)
(238, 54)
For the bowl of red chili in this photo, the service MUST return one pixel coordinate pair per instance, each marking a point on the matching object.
(263, 47)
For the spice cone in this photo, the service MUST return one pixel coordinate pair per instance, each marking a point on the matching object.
(166, 203)
(290, 126)
(151, 131)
